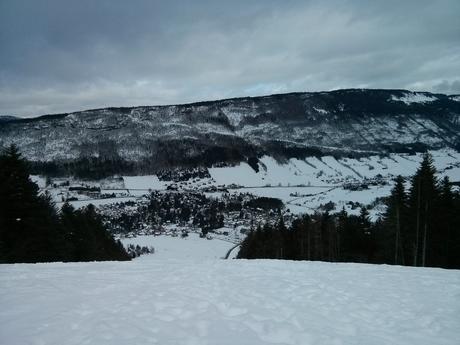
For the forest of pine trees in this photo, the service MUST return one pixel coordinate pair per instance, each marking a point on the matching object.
(421, 227)
(32, 230)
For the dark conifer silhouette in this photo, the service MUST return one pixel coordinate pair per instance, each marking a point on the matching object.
(31, 230)
(396, 221)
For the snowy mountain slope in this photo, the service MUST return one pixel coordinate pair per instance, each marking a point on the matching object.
(288, 125)
(329, 171)
(161, 301)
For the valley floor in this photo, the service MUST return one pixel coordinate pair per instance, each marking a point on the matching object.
(203, 300)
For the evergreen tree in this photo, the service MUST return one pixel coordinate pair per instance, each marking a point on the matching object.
(28, 222)
(395, 220)
(423, 196)
(445, 241)
(32, 231)
(301, 238)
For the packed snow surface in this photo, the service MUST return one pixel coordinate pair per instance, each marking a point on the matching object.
(171, 301)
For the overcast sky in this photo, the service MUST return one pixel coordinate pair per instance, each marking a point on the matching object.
(62, 56)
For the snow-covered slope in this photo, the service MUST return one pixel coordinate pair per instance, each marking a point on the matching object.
(329, 171)
(414, 97)
(289, 125)
(156, 301)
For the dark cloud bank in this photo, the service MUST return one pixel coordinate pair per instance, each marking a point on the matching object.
(59, 56)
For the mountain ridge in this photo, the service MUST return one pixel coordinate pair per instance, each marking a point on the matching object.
(219, 100)
(298, 124)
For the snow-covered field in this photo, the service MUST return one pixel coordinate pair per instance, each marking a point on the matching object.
(310, 198)
(329, 171)
(190, 248)
(314, 181)
(155, 300)
(144, 182)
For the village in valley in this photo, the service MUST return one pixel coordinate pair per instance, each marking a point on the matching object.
(227, 202)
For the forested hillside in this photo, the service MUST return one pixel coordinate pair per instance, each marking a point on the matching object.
(141, 140)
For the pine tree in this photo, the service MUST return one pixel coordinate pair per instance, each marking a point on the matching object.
(301, 237)
(364, 219)
(341, 229)
(423, 195)
(32, 231)
(445, 241)
(28, 223)
(395, 220)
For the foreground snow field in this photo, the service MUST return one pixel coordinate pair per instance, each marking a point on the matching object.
(210, 301)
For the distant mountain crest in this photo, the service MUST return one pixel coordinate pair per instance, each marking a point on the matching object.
(341, 122)
(7, 118)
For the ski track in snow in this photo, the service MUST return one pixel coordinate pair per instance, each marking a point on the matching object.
(171, 301)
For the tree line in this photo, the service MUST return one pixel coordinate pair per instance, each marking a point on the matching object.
(32, 230)
(421, 227)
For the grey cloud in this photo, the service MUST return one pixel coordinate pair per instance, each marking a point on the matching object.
(448, 87)
(60, 56)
